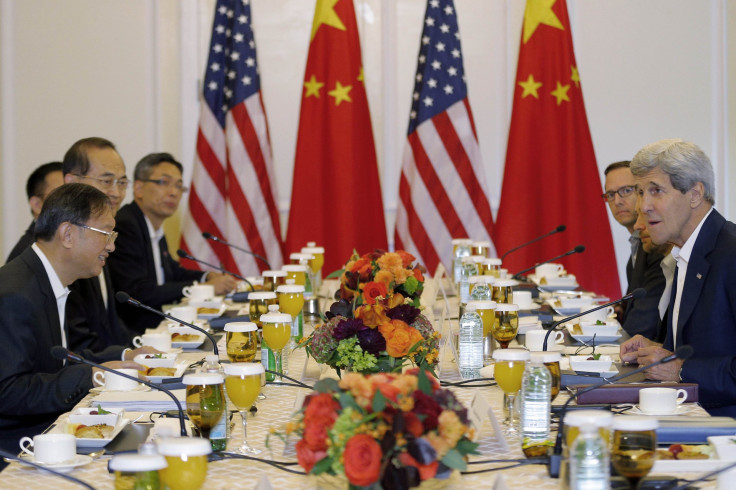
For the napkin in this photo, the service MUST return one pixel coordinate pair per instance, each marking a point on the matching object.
(527, 323)
(141, 401)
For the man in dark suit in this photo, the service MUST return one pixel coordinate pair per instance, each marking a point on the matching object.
(73, 239)
(642, 269)
(675, 183)
(40, 183)
(92, 309)
(142, 265)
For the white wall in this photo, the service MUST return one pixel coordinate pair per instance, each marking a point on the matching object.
(129, 71)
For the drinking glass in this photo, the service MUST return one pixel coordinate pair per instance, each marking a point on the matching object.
(491, 267)
(291, 301)
(506, 324)
(259, 303)
(186, 458)
(243, 382)
(508, 371)
(272, 279)
(482, 248)
(486, 310)
(205, 400)
(241, 340)
(634, 447)
(276, 332)
(298, 272)
(503, 290)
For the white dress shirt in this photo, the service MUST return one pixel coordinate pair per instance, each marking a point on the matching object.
(61, 292)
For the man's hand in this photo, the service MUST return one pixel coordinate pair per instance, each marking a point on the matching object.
(629, 349)
(116, 365)
(146, 349)
(224, 283)
(664, 372)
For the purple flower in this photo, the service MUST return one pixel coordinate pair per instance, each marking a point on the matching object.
(371, 341)
(347, 328)
(405, 313)
(340, 308)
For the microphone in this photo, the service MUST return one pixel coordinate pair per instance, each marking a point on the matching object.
(210, 236)
(559, 229)
(577, 250)
(181, 253)
(637, 293)
(12, 457)
(61, 353)
(124, 297)
(683, 352)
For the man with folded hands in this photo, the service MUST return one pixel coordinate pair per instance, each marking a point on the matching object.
(74, 236)
(675, 184)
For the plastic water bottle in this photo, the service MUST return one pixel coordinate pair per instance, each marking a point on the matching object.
(536, 386)
(470, 344)
(467, 270)
(461, 248)
(220, 434)
(589, 468)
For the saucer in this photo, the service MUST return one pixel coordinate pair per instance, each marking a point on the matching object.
(680, 410)
(64, 467)
(102, 389)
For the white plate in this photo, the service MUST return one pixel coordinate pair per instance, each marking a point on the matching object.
(668, 466)
(567, 283)
(534, 306)
(82, 416)
(210, 316)
(599, 339)
(180, 368)
(560, 310)
(190, 345)
(167, 360)
(681, 410)
(102, 389)
(93, 443)
(66, 466)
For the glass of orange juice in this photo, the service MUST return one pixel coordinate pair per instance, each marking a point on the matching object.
(273, 279)
(243, 383)
(258, 304)
(186, 458)
(298, 272)
(276, 332)
(291, 301)
(491, 267)
(481, 248)
(508, 371)
(241, 341)
(317, 262)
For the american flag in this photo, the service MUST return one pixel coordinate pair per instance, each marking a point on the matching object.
(232, 192)
(442, 187)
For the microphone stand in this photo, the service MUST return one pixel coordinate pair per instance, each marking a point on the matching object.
(635, 294)
(577, 250)
(59, 352)
(559, 229)
(124, 297)
(555, 459)
(210, 236)
(181, 253)
(12, 457)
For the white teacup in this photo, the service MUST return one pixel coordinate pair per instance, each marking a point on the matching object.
(660, 401)
(535, 339)
(523, 299)
(113, 382)
(596, 316)
(199, 292)
(160, 341)
(549, 270)
(185, 313)
(50, 448)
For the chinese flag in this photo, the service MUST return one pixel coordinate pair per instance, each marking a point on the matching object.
(336, 193)
(551, 176)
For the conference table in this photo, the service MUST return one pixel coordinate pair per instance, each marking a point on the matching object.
(277, 408)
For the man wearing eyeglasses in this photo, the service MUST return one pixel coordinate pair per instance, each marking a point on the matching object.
(642, 269)
(92, 309)
(142, 265)
(74, 237)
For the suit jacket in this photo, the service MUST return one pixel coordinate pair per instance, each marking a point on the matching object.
(25, 241)
(642, 315)
(34, 387)
(94, 324)
(707, 318)
(133, 271)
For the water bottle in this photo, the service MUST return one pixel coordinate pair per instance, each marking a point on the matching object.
(461, 247)
(589, 468)
(467, 270)
(470, 344)
(536, 386)
(220, 434)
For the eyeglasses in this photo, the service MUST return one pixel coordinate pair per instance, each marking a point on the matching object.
(111, 235)
(178, 185)
(107, 182)
(623, 193)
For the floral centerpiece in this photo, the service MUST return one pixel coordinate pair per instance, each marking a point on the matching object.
(382, 431)
(376, 325)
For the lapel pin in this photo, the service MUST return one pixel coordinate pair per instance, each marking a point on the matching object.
(698, 275)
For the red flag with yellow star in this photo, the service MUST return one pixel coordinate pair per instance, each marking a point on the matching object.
(336, 193)
(551, 176)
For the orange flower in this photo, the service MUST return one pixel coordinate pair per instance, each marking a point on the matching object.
(372, 315)
(321, 408)
(362, 460)
(426, 471)
(395, 300)
(406, 257)
(399, 337)
(418, 275)
(384, 276)
(306, 457)
(360, 387)
(413, 424)
(315, 436)
(373, 290)
(390, 261)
